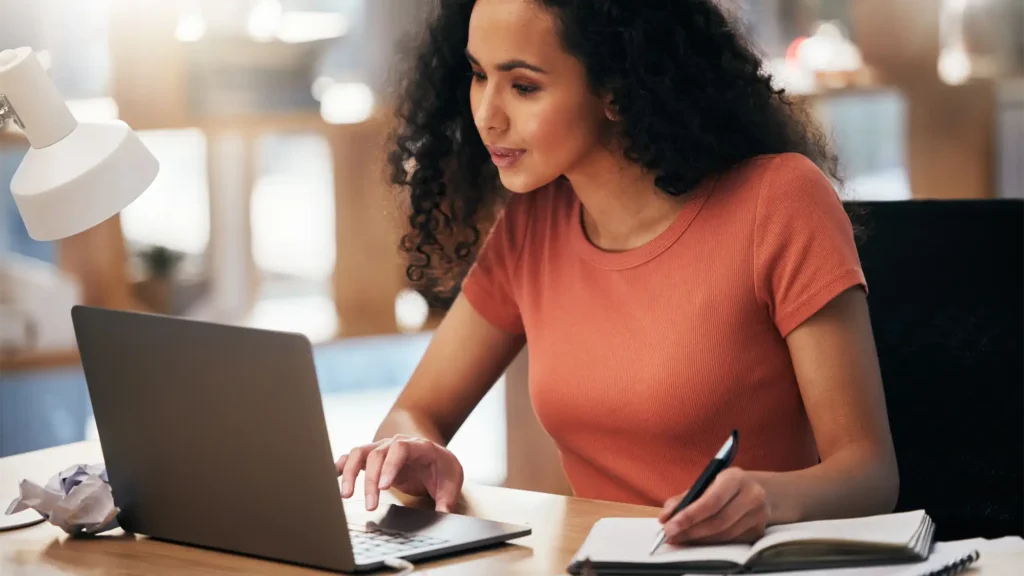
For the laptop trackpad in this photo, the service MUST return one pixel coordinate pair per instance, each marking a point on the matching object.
(450, 527)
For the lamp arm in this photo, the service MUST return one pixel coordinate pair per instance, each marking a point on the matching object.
(7, 112)
(34, 99)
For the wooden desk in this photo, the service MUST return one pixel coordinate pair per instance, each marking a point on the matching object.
(559, 526)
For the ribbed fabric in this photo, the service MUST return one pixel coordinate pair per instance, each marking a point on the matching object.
(642, 362)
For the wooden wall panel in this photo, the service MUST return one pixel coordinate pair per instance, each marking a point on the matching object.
(149, 73)
(97, 257)
(368, 271)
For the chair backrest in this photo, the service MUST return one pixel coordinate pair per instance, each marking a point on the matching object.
(946, 293)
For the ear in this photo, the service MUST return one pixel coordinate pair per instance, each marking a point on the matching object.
(611, 111)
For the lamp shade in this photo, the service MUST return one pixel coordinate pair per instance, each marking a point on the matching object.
(76, 174)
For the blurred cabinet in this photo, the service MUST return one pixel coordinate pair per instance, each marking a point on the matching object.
(1010, 168)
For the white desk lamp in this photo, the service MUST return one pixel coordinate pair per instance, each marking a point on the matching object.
(76, 174)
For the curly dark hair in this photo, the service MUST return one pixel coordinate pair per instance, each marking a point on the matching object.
(690, 93)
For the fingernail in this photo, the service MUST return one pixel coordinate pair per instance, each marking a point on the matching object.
(345, 488)
(371, 502)
(384, 480)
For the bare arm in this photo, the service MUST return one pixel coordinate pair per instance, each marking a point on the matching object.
(836, 366)
(464, 359)
(837, 370)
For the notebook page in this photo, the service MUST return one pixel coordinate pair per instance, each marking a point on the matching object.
(943, 555)
(628, 540)
(895, 530)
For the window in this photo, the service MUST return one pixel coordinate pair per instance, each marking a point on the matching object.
(293, 241)
(175, 211)
(293, 208)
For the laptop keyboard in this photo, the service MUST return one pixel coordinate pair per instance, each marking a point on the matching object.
(371, 543)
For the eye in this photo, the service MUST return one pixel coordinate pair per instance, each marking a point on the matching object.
(524, 89)
(478, 76)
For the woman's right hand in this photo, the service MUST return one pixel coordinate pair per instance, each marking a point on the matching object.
(414, 466)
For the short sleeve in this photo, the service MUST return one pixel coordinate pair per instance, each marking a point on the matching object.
(488, 285)
(804, 249)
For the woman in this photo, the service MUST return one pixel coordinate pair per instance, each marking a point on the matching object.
(672, 250)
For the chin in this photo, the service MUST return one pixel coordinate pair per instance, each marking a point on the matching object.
(523, 183)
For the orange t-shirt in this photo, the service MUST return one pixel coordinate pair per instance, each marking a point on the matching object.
(643, 361)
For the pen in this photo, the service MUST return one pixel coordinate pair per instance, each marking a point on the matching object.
(720, 462)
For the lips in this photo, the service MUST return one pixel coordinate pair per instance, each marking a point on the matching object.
(505, 157)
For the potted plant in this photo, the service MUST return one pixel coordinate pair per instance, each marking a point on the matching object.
(154, 291)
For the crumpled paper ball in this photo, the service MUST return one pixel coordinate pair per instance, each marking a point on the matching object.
(77, 500)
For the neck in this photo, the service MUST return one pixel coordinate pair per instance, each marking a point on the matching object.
(622, 208)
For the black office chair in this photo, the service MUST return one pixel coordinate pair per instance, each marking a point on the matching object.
(946, 292)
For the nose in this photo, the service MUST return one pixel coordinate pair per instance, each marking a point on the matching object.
(489, 116)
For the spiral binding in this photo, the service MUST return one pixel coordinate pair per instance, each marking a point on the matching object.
(961, 564)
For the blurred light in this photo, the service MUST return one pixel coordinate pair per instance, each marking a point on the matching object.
(298, 27)
(191, 27)
(314, 316)
(827, 50)
(346, 103)
(411, 310)
(93, 109)
(320, 85)
(954, 66)
(264, 20)
(816, 52)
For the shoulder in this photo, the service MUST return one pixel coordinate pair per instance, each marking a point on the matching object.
(795, 179)
(795, 199)
(773, 174)
(778, 183)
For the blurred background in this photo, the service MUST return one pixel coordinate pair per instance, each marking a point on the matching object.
(269, 120)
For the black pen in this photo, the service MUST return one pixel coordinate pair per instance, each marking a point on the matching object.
(720, 462)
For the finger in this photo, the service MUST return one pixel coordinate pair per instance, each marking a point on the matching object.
(670, 505)
(340, 464)
(448, 483)
(749, 529)
(447, 495)
(720, 493)
(397, 457)
(374, 462)
(745, 529)
(711, 528)
(353, 464)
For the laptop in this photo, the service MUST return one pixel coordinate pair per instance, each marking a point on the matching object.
(214, 436)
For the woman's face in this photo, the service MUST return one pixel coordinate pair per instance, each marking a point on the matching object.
(530, 99)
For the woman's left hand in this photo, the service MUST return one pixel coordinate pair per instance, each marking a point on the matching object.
(733, 509)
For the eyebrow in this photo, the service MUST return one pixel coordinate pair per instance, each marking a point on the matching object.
(510, 65)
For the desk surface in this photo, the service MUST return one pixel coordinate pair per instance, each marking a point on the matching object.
(559, 524)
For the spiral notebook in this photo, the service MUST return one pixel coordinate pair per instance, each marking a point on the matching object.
(620, 546)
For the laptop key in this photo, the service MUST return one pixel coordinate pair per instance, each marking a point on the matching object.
(370, 542)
